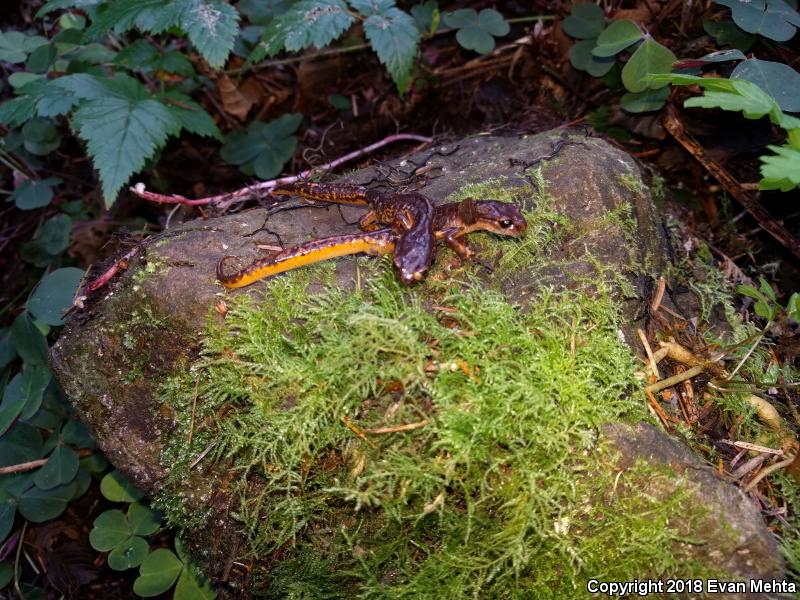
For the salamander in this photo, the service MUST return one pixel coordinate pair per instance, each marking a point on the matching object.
(451, 223)
(408, 214)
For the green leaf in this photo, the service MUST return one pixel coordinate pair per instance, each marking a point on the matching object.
(616, 37)
(122, 129)
(128, 554)
(774, 19)
(72, 21)
(41, 136)
(780, 171)
(54, 294)
(94, 464)
(581, 57)
(8, 349)
(11, 43)
(34, 193)
(191, 116)
(16, 111)
(14, 400)
(8, 508)
(143, 520)
(61, 468)
(778, 80)
(394, 38)
(650, 57)
(117, 488)
(21, 444)
(77, 434)
(749, 99)
(307, 23)
(265, 147)
(22, 78)
(261, 12)
(53, 5)
(111, 528)
(426, 16)
(50, 240)
(212, 28)
(122, 15)
(586, 21)
(646, 101)
(192, 586)
(727, 33)
(39, 505)
(6, 573)
(35, 380)
(476, 31)
(158, 573)
(41, 59)
(792, 309)
(31, 343)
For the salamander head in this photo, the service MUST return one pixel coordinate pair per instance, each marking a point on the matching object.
(502, 218)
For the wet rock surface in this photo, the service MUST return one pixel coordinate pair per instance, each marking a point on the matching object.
(148, 324)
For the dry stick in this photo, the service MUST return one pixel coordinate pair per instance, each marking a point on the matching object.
(670, 381)
(252, 191)
(674, 125)
(398, 428)
(33, 464)
(768, 471)
(649, 352)
(106, 277)
(659, 295)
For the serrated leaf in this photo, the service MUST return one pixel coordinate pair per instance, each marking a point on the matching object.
(53, 295)
(650, 57)
(122, 130)
(122, 15)
(117, 488)
(191, 115)
(128, 554)
(727, 33)
(158, 573)
(581, 57)
(780, 171)
(53, 5)
(777, 79)
(774, 19)
(143, 520)
(307, 23)
(61, 468)
(265, 147)
(394, 38)
(586, 21)
(16, 111)
(212, 28)
(191, 586)
(616, 37)
(110, 529)
(39, 505)
(29, 340)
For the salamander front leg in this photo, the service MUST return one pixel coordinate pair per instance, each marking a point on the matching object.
(460, 246)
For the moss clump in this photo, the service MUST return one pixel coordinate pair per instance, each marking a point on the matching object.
(496, 490)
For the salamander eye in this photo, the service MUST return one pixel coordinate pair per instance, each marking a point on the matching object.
(506, 223)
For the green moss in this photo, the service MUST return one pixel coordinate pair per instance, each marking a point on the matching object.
(632, 182)
(489, 496)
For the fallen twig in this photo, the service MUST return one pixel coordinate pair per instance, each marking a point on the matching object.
(252, 191)
(768, 471)
(35, 464)
(397, 428)
(675, 126)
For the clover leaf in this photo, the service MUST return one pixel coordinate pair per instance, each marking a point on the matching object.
(774, 19)
(476, 31)
(265, 147)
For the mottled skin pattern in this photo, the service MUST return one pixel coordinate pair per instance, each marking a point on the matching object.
(410, 215)
(451, 223)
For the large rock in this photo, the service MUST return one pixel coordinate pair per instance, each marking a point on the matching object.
(592, 229)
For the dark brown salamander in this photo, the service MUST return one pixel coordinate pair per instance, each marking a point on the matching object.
(451, 223)
(409, 214)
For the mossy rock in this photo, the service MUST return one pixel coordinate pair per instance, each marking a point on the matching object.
(329, 433)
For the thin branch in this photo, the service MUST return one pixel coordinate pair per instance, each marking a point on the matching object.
(252, 191)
